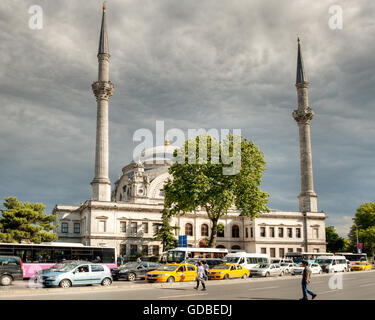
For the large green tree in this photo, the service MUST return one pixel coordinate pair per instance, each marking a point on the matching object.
(216, 176)
(165, 232)
(25, 222)
(364, 222)
(335, 243)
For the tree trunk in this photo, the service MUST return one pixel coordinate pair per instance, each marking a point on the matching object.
(212, 242)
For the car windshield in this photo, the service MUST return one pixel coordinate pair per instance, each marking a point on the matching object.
(66, 267)
(325, 261)
(262, 266)
(231, 259)
(168, 268)
(275, 261)
(222, 266)
(361, 263)
(129, 265)
(285, 264)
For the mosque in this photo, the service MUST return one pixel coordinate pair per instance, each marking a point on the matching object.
(127, 215)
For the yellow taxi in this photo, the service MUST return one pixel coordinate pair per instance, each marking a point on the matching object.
(228, 270)
(173, 272)
(361, 266)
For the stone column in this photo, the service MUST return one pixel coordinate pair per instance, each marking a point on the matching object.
(103, 89)
(303, 115)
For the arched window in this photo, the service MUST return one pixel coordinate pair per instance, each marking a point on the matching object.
(188, 229)
(220, 230)
(235, 231)
(220, 246)
(236, 247)
(204, 230)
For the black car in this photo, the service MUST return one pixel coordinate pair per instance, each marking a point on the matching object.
(134, 270)
(10, 269)
(212, 262)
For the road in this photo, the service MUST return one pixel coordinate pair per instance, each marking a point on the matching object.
(355, 286)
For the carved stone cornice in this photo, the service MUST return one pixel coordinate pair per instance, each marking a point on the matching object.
(303, 116)
(102, 89)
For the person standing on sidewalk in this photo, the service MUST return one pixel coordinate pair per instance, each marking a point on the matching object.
(306, 275)
(206, 270)
(200, 276)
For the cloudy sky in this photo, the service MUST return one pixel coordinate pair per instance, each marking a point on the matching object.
(193, 64)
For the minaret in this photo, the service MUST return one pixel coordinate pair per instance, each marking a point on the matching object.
(103, 89)
(303, 115)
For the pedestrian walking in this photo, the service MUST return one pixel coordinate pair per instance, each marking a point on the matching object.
(200, 276)
(306, 275)
(206, 268)
(139, 260)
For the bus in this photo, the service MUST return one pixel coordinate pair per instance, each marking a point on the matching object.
(310, 257)
(247, 260)
(36, 257)
(353, 257)
(179, 255)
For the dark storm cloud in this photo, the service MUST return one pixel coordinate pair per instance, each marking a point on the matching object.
(209, 64)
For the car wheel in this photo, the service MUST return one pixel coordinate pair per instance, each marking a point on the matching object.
(282, 273)
(65, 283)
(170, 280)
(267, 274)
(106, 282)
(6, 280)
(226, 277)
(131, 276)
(244, 276)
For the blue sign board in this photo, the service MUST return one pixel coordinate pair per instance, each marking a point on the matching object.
(182, 241)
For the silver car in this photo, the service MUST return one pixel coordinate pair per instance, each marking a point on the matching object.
(266, 270)
(287, 267)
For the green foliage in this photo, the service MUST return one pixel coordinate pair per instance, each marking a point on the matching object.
(165, 232)
(335, 243)
(364, 221)
(135, 256)
(204, 179)
(25, 222)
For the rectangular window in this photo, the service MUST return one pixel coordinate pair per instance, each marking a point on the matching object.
(290, 233)
(281, 232)
(247, 232)
(64, 227)
(155, 250)
(272, 232)
(298, 232)
(155, 227)
(316, 233)
(299, 249)
(145, 227)
(263, 250)
(97, 268)
(290, 249)
(122, 249)
(134, 228)
(77, 228)
(133, 248)
(262, 231)
(281, 252)
(251, 232)
(123, 226)
(145, 250)
(272, 252)
(102, 226)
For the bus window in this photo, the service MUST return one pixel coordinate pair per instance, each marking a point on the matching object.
(108, 255)
(42, 255)
(61, 254)
(25, 254)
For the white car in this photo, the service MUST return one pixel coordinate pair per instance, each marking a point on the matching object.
(298, 268)
(286, 267)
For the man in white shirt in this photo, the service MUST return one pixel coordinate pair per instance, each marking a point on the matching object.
(200, 276)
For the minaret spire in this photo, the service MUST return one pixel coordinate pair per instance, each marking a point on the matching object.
(303, 115)
(103, 90)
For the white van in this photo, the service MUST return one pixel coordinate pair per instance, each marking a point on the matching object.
(332, 264)
(247, 260)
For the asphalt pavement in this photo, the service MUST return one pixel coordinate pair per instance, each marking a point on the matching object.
(339, 286)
